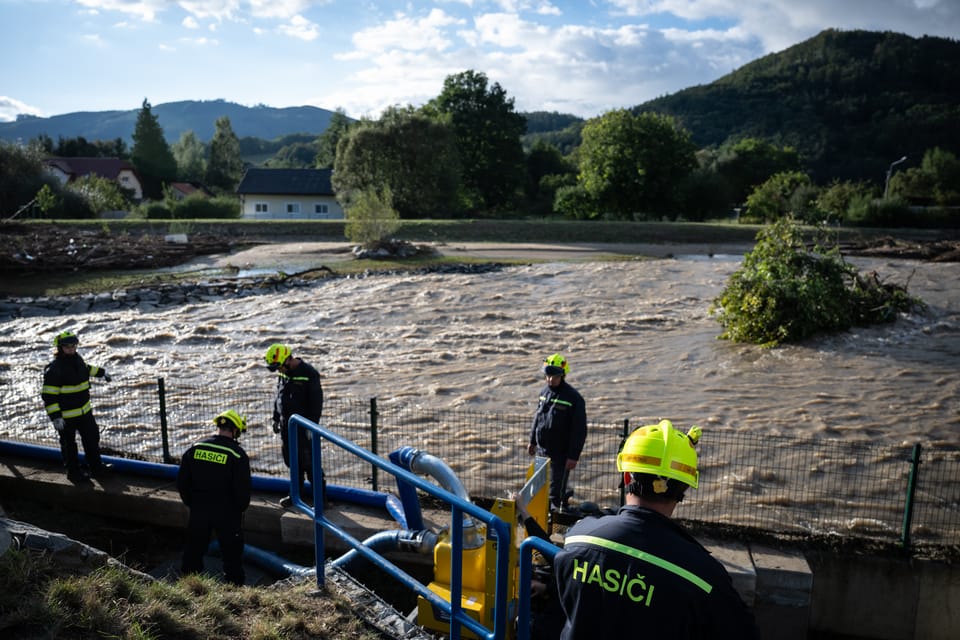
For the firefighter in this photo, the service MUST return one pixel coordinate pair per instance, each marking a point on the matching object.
(66, 397)
(214, 483)
(298, 391)
(559, 427)
(639, 569)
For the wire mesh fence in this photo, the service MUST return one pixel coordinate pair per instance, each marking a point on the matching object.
(775, 483)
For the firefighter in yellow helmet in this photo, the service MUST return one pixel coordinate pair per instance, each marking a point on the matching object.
(66, 398)
(214, 482)
(641, 570)
(298, 391)
(559, 427)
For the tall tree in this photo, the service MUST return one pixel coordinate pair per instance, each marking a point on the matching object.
(189, 153)
(151, 154)
(327, 141)
(488, 134)
(748, 163)
(632, 166)
(225, 165)
(409, 153)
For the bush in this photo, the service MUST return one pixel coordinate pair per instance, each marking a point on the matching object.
(787, 293)
(152, 211)
(197, 207)
(371, 218)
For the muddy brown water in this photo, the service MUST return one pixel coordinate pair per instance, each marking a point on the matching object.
(638, 336)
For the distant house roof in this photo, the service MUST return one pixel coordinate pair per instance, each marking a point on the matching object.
(286, 182)
(74, 168)
(189, 188)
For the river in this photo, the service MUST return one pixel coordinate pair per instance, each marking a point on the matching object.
(638, 336)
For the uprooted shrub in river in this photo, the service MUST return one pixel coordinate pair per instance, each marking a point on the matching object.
(786, 292)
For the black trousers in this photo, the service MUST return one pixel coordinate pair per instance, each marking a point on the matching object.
(89, 432)
(304, 454)
(229, 530)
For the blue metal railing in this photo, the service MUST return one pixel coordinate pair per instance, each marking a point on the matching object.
(495, 527)
(526, 577)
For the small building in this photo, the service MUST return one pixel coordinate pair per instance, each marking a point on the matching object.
(181, 190)
(288, 194)
(67, 170)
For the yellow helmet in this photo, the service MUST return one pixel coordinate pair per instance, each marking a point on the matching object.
(231, 418)
(65, 337)
(663, 451)
(276, 355)
(555, 365)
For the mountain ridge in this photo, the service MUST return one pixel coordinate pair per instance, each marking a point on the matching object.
(199, 116)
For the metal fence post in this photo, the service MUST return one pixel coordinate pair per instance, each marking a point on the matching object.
(162, 394)
(911, 490)
(373, 441)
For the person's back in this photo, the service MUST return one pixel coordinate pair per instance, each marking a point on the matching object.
(638, 573)
(640, 568)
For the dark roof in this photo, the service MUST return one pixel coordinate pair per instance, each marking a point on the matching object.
(79, 167)
(308, 182)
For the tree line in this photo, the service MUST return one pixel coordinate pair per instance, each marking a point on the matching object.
(469, 153)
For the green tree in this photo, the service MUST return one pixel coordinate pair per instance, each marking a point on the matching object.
(749, 162)
(47, 201)
(189, 153)
(774, 199)
(487, 131)
(838, 200)
(547, 171)
(151, 154)
(101, 194)
(21, 176)
(371, 218)
(225, 165)
(936, 181)
(409, 153)
(300, 155)
(327, 141)
(632, 166)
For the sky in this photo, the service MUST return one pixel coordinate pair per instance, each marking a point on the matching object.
(583, 58)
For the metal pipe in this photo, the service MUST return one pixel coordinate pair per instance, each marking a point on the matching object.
(350, 495)
(421, 462)
(422, 542)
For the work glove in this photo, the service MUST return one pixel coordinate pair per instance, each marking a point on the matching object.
(276, 426)
(59, 424)
(107, 378)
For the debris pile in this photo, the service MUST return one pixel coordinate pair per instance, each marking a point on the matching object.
(46, 249)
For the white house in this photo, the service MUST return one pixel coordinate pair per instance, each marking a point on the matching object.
(70, 169)
(288, 193)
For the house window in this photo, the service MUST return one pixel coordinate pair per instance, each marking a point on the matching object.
(261, 207)
(319, 207)
(293, 207)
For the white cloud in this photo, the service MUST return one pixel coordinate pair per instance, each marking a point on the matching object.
(282, 9)
(11, 107)
(404, 33)
(190, 23)
(301, 28)
(145, 10)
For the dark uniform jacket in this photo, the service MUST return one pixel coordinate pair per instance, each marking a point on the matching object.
(560, 424)
(215, 476)
(298, 391)
(66, 386)
(639, 574)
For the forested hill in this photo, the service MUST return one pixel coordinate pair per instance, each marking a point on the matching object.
(850, 102)
(262, 122)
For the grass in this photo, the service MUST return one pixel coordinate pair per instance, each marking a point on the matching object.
(39, 599)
